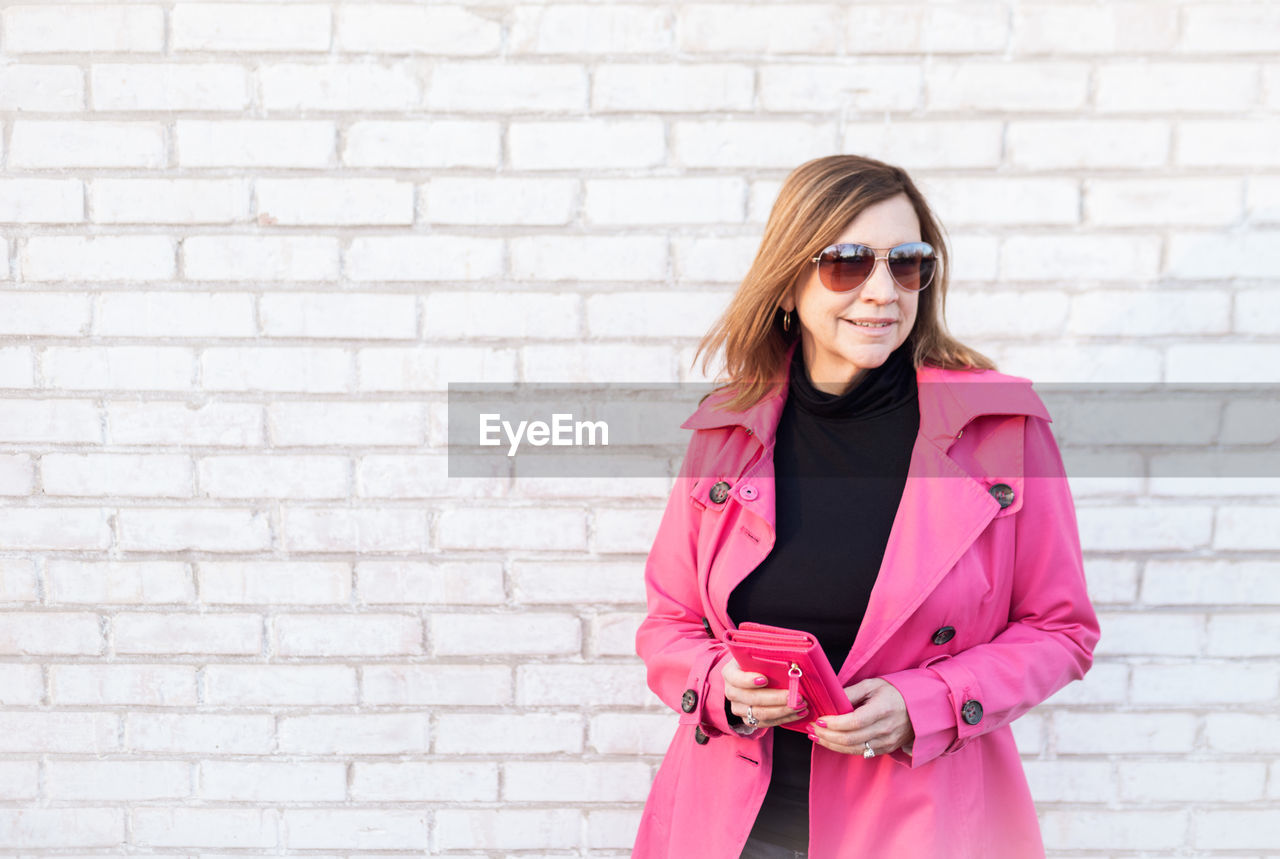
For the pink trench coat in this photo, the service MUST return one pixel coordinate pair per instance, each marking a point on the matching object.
(1008, 579)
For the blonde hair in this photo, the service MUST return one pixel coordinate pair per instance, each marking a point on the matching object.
(817, 201)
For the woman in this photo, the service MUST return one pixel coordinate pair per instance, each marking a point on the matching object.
(867, 478)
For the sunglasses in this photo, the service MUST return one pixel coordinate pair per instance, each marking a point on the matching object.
(845, 267)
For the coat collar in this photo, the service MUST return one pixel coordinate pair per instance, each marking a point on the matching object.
(949, 399)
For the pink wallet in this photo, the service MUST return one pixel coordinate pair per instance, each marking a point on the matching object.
(793, 660)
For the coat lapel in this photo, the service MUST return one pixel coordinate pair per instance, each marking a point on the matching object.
(943, 509)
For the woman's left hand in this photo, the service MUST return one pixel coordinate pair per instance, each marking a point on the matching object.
(881, 720)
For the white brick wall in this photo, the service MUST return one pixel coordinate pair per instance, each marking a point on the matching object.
(244, 246)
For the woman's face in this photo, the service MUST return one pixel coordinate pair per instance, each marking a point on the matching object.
(836, 351)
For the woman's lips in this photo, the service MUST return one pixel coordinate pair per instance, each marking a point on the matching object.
(866, 329)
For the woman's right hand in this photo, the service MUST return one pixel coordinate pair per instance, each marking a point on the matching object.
(769, 706)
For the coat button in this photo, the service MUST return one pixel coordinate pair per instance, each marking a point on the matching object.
(689, 700)
(972, 712)
(944, 634)
(699, 737)
(1002, 493)
(720, 492)
(748, 492)
(706, 624)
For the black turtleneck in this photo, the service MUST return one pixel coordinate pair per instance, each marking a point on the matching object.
(840, 465)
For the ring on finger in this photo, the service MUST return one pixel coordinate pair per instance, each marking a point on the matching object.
(751, 719)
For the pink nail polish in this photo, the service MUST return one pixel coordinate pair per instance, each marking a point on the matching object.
(822, 723)
(760, 681)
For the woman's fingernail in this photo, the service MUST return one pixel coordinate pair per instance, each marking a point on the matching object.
(760, 681)
(822, 723)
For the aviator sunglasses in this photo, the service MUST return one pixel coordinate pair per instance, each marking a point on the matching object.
(845, 267)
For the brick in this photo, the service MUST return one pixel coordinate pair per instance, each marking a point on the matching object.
(256, 258)
(358, 635)
(19, 779)
(601, 684)
(83, 27)
(290, 781)
(502, 200)
(581, 29)
(1233, 28)
(62, 527)
(1212, 682)
(329, 315)
(80, 827)
(435, 781)
(530, 733)
(1191, 781)
(789, 87)
(1128, 829)
(644, 314)
(159, 422)
(572, 782)
(362, 734)
(1000, 85)
(927, 143)
(1249, 734)
(1236, 829)
(386, 28)
(419, 258)
(796, 28)
(254, 143)
(41, 88)
(416, 143)
(580, 144)
(19, 582)
(1074, 257)
(329, 529)
(278, 476)
(48, 733)
(41, 201)
(504, 314)
(1068, 28)
(1176, 87)
(169, 86)
(50, 143)
(22, 685)
(1087, 144)
(334, 201)
(258, 27)
(204, 827)
(214, 529)
(133, 685)
(522, 528)
(631, 733)
(274, 582)
(169, 201)
(345, 423)
(226, 634)
(507, 828)
(98, 258)
(731, 143)
(443, 583)
(135, 368)
(672, 87)
(458, 634)
(144, 475)
(1071, 781)
(1211, 582)
(1254, 634)
(437, 684)
(1241, 143)
(131, 583)
(652, 201)
(157, 314)
(245, 685)
(1131, 733)
(367, 829)
(605, 258)
(507, 87)
(432, 367)
(276, 368)
(200, 733)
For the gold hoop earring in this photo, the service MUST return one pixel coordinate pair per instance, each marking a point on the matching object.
(786, 321)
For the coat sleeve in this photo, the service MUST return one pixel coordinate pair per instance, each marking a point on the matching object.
(1048, 641)
(678, 654)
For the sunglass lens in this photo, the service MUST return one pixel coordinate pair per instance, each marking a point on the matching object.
(912, 265)
(845, 267)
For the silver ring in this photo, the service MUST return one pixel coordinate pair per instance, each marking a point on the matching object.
(868, 752)
(751, 719)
